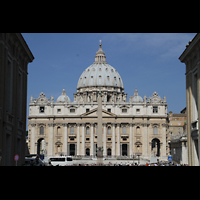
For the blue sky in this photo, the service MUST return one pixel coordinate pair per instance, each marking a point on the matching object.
(146, 61)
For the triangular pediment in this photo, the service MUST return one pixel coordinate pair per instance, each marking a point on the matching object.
(93, 113)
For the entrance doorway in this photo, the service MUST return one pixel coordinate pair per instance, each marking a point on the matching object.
(156, 146)
(109, 152)
(41, 146)
(124, 149)
(87, 152)
(72, 149)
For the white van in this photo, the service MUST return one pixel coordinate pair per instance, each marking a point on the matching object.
(61, 161)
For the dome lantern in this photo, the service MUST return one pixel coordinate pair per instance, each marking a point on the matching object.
(100, 55)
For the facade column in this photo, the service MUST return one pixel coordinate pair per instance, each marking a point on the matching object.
(50, 140)
(113, 139)
(133, 139)
(83, 139)
(78, 139)
(145, 140)
(130, 140)
(104, 140)
(118, 140)
(164, 140)
(33, 132)
(92, 140)
(65, 139)
(189, 115)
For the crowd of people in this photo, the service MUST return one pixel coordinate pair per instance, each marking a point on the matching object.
(166, 163)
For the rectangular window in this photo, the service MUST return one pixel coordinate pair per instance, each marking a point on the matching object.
(87, 110)
(72, 130)
(58, 111)
(41, 130)
(124, 110)
(109, 110)
(155, 109)
(124, 130)
(20, 88)
(9, 87)
(155, 130)
(72, 110)
(42, 109)
(137, 111)
(87, 130)
(109, 130)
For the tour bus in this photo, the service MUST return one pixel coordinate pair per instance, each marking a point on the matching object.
(61, 161)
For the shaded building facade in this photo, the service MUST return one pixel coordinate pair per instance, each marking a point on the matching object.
(191, 58)
(14, 58)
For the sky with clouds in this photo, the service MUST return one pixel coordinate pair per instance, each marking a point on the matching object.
(146, 61)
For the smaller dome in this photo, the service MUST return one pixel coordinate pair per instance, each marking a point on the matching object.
(136, 97)
(63, 97)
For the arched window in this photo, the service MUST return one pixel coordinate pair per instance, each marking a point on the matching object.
(155, 130)
(72, 130)
(59, 131)
(124, 130)
(87, 130)
(41, 130)
(138, 130)
(109, 130)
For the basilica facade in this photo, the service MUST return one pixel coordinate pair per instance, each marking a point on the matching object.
(136, 126)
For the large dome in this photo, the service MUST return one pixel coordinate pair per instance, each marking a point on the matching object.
(100, 74)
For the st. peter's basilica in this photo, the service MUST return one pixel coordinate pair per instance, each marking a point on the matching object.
(64, 127)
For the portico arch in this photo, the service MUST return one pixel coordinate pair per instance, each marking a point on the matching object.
(155, 146)
(41, 146)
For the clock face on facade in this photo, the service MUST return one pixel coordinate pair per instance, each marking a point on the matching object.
(42, 99)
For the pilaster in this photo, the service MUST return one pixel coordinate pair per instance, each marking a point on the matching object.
(33, 132)
(113, 139)
(92, 140)
(51, 139)
(83, 139)
(104, 139)
(65, 125)
(118, 139)
(78, 139)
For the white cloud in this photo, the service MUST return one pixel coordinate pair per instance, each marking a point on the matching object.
(165, 45)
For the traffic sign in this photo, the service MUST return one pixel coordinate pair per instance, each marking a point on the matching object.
(16, 157)
(169, 158)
